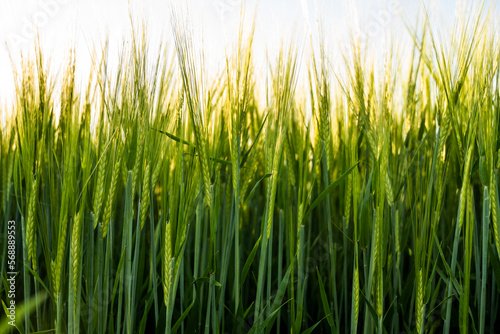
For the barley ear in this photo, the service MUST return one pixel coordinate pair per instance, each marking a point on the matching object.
(167, 263)
(494, 209)
(109, 211)
(76, 251)
(420, 302)
(99, 192)
(30, 224)
(145, 193)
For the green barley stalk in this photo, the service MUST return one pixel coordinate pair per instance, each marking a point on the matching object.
(109, 210)
(461, 215)
(57, 265)
(145, 192)
(355, 292)
(191, 93)
(100, 186)
(167, 264)
(138, 158)
(419, 303)
(30, 224)
(76, 253)
(494, 208)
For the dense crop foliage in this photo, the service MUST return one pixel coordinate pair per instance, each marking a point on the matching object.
(153, 199)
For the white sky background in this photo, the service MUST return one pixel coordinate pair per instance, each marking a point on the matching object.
(85, 24)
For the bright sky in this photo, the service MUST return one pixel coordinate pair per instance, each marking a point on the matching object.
(85, 23)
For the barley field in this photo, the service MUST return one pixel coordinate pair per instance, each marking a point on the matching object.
(153, 199)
